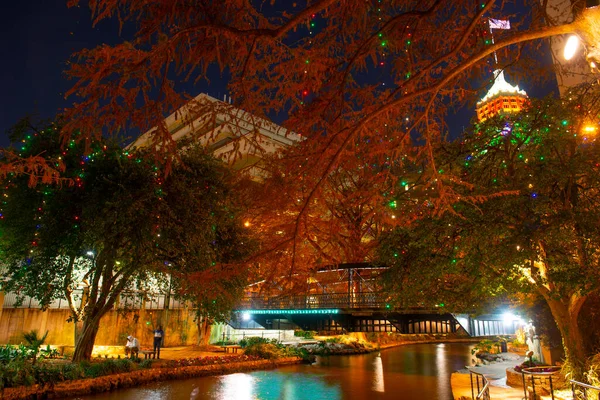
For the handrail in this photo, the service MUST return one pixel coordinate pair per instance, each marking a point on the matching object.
(539, 375)
(583, 393)
(483, 392)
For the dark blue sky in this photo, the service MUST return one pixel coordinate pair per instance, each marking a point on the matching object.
(38, 38)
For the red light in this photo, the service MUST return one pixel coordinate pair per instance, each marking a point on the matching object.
(305, 93)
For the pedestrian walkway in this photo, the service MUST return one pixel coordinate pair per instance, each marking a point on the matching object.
(496, 374)
(177, 353)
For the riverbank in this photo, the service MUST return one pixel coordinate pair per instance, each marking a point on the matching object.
(82, 387)
(361, 343)
(174, 364)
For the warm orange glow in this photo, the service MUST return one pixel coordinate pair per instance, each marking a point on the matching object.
(507, 104)
(247, 224)
(571, 47)
(590, 129)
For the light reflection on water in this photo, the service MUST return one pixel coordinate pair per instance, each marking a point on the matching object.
(410, 372)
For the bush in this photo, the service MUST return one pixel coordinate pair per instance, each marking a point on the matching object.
(485, 346)
(47, 374)
(304, 334)
(146, 363)
(264, 350)
(73, 371)
(23, 373)
(16, 373)
(254, 340)
(107, 367)
(14, 353)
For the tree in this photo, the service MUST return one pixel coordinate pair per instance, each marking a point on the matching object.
(527, 220)
(340, 70)
(114, 223)
(342, 223)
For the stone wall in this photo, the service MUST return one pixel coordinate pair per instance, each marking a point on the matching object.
(179, 326)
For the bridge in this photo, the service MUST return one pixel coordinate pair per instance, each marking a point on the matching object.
(347, 298)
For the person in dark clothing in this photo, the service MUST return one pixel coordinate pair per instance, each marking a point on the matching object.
(158, 340)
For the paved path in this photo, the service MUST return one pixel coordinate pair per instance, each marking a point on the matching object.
(496, 374)
(177, 353)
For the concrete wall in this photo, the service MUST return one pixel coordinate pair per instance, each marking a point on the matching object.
(179, 326)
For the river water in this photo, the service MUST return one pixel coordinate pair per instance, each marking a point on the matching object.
(419, 372)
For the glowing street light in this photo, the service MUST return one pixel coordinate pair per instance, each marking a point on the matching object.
(590, 129)
(571, 47)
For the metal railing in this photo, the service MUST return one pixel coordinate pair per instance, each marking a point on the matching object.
(580, 390)
(541, 379)
(482, 384)
(314, 301)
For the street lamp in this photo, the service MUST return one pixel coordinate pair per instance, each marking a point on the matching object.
(571, 47)
(588, 32)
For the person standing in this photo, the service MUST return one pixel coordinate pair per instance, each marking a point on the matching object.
(158, 340)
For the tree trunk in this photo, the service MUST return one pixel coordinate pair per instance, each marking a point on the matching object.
(204, 328)
(572, 338)
(85, 342)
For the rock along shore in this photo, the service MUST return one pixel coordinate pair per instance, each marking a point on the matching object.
(82, 387)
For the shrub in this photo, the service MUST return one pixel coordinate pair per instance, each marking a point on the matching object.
(254, 340)
(16, 373)
(264, 350)
(73, 371)
(124, 365)
(304, 334)
(47, 374)
(146, 363)
(485, 346)
(23, 373)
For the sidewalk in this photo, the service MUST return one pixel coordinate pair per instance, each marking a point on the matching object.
(496, 374)
(177, 353)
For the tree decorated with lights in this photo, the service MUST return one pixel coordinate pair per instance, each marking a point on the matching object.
(527, 221)
(341, 224)
(340, 70)
(114, 222)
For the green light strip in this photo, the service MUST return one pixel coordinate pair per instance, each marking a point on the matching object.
(323, 311)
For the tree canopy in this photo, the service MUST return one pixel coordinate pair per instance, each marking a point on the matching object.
(115, 223)
(527, 220)
(369, 78)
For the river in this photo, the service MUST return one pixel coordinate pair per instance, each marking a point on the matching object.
(419, 371)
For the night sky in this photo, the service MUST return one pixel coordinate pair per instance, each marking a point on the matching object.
(38, 38)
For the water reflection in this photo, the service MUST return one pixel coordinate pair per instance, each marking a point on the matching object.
(442, 370)
(236, 386)
(411, 372)
(378, 385)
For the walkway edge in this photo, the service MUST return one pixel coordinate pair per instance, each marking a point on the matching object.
(82, 387)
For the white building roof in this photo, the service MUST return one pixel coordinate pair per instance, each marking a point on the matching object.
(500, 86)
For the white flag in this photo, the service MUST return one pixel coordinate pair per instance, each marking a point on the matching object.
(499, 24)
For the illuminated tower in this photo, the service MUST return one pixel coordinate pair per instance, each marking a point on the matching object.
(501, 98)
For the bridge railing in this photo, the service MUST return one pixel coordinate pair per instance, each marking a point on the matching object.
(315, 301)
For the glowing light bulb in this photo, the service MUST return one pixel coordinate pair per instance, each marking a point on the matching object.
(571, 47)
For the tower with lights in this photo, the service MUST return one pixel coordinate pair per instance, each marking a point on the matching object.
(502, 98)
